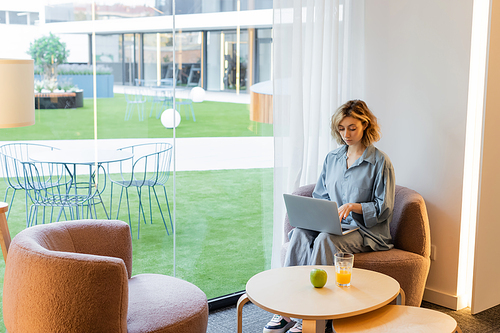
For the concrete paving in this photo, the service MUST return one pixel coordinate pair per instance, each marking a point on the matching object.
(183, 92)
(192, 154)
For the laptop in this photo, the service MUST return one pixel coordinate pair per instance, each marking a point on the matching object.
(315, 214)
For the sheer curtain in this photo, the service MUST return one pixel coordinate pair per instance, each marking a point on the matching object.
(318, 65)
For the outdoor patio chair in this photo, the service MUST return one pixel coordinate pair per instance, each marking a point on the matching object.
(140, 82)
(64, 192)
(48, 185)
(170, 74)
(11, 156)
(162, 99)
(194, 75)
(149, 167)
(134, 99)
(185, 104)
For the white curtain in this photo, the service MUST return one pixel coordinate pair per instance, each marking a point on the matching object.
(317, 66)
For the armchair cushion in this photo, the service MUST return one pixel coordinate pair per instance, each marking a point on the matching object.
(188, 313)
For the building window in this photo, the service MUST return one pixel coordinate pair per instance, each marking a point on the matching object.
(18, 18)
(34, 18)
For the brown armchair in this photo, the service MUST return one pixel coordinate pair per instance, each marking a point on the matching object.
(409, 261)
(76, 277)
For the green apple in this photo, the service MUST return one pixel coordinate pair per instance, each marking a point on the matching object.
(318, 277)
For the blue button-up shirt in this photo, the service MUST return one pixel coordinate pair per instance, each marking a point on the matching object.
(369, 181)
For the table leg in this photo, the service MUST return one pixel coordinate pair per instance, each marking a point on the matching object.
(401, 298)
(72, 183)
(313, 326)
(239, 307)
(4, 230)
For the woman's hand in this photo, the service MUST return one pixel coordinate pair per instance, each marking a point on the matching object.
(347, 208)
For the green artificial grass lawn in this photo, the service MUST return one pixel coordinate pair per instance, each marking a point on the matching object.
(213, 119)
(224, 228)
(224, 217)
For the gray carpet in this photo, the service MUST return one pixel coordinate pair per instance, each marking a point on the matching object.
(224, 320)
(487, 321)
(254, 319)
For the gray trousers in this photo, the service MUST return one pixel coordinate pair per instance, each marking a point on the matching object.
(309, 247)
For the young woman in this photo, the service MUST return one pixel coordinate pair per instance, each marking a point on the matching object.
(360, 179)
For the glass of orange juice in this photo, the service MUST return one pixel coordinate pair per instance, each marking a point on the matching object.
(343, 268)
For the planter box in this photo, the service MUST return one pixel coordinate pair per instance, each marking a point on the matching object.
(85, 82)
(55, 100)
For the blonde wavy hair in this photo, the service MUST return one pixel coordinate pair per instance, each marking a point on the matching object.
(356, 109)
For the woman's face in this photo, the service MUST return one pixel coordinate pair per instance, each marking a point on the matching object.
(351, 130)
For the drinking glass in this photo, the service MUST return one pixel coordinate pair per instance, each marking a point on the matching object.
(343, 268)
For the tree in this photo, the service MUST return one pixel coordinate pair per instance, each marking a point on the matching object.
(48, 52)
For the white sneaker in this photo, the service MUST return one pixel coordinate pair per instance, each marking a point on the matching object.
(278, 324)
(297, 328)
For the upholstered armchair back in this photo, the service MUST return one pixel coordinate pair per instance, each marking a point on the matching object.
(94, 260)
(410, 225)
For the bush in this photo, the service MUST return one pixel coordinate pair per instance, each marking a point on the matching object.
(51, 84)
(39, 85)
(75, 69)
(68, 69)
(67, 85)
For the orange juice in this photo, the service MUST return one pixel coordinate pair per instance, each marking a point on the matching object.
(343, 276)
(343, 268)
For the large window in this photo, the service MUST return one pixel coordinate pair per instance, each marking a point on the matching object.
(220, 183)
(131, 56)
(152, 44)
(264, 50)
(109, 53)
(223, 190)
(230, 66)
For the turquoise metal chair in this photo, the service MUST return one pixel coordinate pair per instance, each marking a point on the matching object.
(185, 104)
(134, 99)
(12, 155)
(70, 195)
(162, 99)
(50, 185)
(149, 167)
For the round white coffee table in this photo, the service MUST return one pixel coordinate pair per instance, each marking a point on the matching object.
(288, 292)
(397, 318)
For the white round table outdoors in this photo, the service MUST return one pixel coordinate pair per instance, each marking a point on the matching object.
(288, 292)
(83, 158)
(80, 156)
